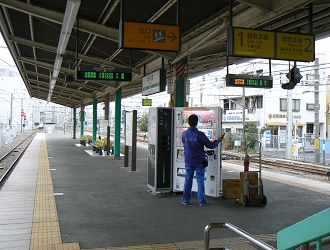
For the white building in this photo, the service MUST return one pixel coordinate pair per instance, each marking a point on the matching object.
(268, 107)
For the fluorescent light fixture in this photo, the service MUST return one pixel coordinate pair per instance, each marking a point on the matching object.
(57, 66)
(51, 87)
(71, 11)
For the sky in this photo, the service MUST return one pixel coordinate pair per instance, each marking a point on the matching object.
(160, 99)
(6, 59)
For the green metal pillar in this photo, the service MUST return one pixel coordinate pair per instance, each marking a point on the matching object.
(117, 123)
(74, 123)
(106, 117)
(94, 119)
(82, 120)
(180, 95)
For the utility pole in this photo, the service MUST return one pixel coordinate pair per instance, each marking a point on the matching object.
(289, 125)
(289, 117)
(11, 111)
(316, 113)
(22, 115)
(201, 96)
(243, 122)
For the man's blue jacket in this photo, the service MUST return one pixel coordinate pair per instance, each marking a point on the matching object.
(194, 142)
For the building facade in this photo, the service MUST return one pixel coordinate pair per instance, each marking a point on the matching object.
(269, 107)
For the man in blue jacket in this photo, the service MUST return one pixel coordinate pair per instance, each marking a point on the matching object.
(194, 142)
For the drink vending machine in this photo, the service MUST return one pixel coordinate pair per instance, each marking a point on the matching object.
(210, 123)
(160, 134)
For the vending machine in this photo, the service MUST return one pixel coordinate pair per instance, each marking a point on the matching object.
(210, 123)
(160, 134)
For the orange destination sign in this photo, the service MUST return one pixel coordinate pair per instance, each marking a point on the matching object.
(149, 36)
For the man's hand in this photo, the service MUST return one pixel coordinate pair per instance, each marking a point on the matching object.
(221, 137)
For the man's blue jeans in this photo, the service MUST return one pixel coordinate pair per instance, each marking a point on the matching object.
(200, 174)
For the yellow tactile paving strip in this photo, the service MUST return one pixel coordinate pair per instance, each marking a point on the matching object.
(46, 233)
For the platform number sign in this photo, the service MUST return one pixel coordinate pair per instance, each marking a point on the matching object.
(269, 44)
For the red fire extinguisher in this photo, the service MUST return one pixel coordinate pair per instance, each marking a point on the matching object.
(246, 163)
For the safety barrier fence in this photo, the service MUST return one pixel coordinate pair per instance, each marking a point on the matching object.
(7, 136)
(303, 148)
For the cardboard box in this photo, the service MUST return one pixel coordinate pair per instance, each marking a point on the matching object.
(231, 188)
(253, 182)
(252, 178)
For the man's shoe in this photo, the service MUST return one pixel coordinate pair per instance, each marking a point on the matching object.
(185, 203)
(204, 204)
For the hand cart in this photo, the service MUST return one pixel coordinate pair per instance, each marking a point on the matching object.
(252, 188)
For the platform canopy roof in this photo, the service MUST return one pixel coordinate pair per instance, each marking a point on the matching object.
(32, 30)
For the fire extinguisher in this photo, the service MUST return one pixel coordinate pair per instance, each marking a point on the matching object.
(246, 163)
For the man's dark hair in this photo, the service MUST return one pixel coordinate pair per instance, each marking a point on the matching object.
(193, 120)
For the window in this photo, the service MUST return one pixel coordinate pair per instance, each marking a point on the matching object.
(295, 105)
(283, 106)
(259, 102)
(309, 106)
(226, 104)
(232, 105)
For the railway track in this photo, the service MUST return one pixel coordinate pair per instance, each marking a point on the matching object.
(284, 165)
(10, 155)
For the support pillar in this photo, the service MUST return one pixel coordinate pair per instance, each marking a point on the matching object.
(180, 72)
(117, 122)
(82, 120)
(94, 119)
(106, 117)
(74, 123)
(106, 107)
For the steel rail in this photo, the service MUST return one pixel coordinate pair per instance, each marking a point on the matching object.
(10, 168)
(297, 166)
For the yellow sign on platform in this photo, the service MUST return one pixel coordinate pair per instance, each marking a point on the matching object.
(150, 36)
(295, 47)
(253, 43)
(146, 102)
(269, 44)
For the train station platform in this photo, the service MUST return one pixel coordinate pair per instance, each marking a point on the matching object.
(62, 196)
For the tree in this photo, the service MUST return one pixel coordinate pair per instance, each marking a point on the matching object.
(251, 132)
(143, 122)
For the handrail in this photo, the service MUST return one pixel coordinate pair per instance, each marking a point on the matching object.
(236, 230)
(313, 245)
(312, 229)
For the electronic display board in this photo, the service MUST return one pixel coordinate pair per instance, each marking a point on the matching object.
(249, 81)
(104, 73)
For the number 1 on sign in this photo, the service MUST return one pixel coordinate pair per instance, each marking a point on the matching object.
(241, 35)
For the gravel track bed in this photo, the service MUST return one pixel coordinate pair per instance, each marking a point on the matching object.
(281, 170)
(8, 161)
